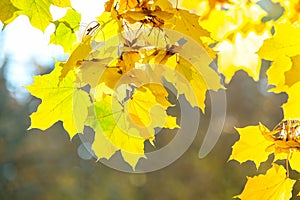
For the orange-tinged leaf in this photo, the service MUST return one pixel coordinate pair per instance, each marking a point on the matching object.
(291, 108)
(273, 185)
(291, 11)
(251, 145)
(128, 4)
(65, 102)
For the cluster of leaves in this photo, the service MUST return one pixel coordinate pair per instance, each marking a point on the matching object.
(113, 80)
(256, 143)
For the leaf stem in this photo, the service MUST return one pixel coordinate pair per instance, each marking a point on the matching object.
(287, 167)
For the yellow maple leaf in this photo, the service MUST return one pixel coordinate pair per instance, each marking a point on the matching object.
(239, 16)
(251, 145)
(240, 55)
(272, 185)
(283, 73)
(291, 11)
(115, 127)
(291, 108)
(91, 71)
(276, 72)
(294, 159)
(38, 11)
(185, 23)
(143, 100)
(65, 102)
(109, 28)
(8, 11)
(191, 78)
(61, 3)
(77, 56)
(284, 42)
(125, 123)
(66, 26)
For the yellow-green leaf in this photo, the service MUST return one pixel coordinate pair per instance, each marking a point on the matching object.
(64, 102)
(64, 34)
(115, 133)
(38, 11)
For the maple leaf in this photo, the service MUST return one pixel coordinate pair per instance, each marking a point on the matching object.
(237, 18)
(200, 79)
(240, 55)
(110, 135)
(92, 71)
(291, 108)
(284, 42)
(64, 33)
(251, 145)
(139, 107)
(128, 4)
(276, 73)
(65, 102)
(78, 55)
(7, 10)
(283, 73)
(38, 11)
(125, 124)
(291, 11)
(272, 185)
(185, 23)
(61, 3)
(293, 159)
(110, 28)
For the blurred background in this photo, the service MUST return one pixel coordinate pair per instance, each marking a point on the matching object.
(46, 165)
